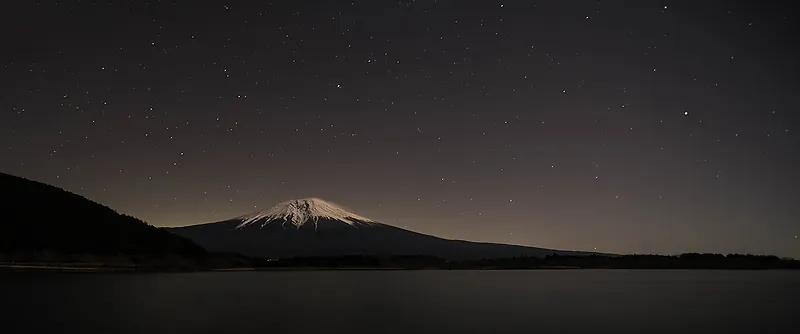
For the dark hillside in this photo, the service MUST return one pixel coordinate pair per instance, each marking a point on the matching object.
(36, 217)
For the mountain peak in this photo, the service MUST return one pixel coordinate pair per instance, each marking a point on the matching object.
(301, 211)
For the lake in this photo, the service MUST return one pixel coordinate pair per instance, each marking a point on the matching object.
(543, 301)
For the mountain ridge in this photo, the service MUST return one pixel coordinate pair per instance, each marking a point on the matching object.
(284, 231)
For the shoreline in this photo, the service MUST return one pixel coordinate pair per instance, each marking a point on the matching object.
(89, 269)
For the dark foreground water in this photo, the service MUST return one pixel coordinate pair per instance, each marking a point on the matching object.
(585, 301)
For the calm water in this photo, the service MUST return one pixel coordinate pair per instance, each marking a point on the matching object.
(592, 301)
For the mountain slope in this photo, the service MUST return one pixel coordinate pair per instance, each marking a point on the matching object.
(313, 227)
(36, 217)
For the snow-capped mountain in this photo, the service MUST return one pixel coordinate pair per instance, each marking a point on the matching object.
(315, 227)
(304, 211)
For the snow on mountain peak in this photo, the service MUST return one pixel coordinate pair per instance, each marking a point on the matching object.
(301, 211)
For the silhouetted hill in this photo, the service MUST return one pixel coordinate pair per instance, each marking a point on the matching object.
(42, 221)
(330, 238)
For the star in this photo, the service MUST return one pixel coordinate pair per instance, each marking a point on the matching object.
(243, 117)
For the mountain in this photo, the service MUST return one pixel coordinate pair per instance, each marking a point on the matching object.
(313, 227)
(41, 221)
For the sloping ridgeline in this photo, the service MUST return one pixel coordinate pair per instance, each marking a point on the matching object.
(43, 223)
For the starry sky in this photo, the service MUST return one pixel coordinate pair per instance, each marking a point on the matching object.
(616, 126)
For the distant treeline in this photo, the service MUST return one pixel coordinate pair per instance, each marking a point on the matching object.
(146, 263)
(223, 261)
(356, 261)
(684, 261)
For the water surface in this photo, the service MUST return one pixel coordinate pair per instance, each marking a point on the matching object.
(543, 301)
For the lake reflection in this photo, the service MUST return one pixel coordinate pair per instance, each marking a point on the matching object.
(569, 301)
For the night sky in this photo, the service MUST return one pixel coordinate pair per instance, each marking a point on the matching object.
(621, 126)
